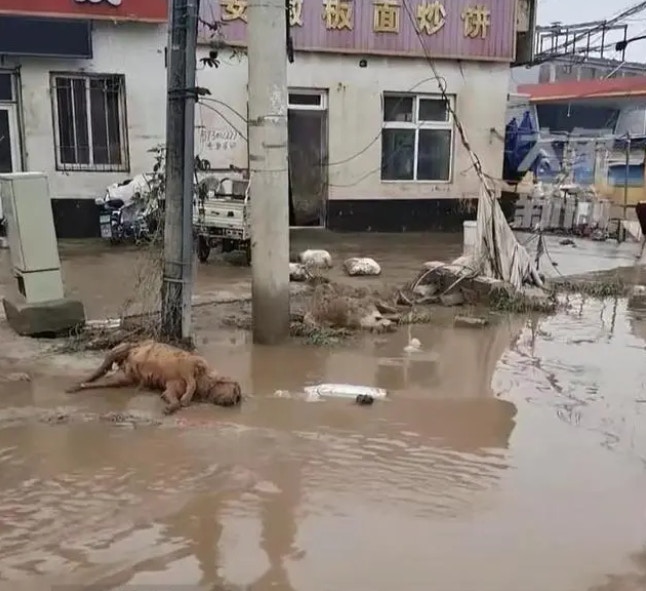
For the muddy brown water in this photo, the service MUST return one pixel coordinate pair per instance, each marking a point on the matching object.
(103, 277)
(508, 458)
(505, 459)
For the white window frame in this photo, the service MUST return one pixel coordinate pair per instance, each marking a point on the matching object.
(418, 125)
(124, 166)
(322, 94)
(12, 106)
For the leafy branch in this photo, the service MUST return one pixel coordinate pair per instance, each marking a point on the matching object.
(157, 179)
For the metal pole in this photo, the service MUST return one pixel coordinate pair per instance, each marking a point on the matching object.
(188, 252)
(626, 174)
(174, 278)
(269, 201)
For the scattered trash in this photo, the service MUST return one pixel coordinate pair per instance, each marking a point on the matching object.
(298, 272)
(316, 259)
(107, 323)
(457, 283)
(470, 322)
(361, 266)
(345, 391)
(130, 189)
(414, 346)
(599, 235)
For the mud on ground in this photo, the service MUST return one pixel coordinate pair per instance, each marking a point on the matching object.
(606, 283)
(322, 313)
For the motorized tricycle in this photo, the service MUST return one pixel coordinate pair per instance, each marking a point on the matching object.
(221, 217)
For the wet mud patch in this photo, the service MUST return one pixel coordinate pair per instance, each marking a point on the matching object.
(18, 416)
(323, 313)
(21, 416)
(13, 377)
(333, 313)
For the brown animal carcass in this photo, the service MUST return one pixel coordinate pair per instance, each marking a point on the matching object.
(181, 376)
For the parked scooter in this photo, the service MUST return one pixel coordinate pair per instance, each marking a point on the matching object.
(124, 216)
(122, 222)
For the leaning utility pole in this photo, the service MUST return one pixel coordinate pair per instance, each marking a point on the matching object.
(269, 199)
(180, 130)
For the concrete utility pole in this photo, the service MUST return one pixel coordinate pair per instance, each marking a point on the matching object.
(266, 54)
(180, 130)
(628, 147)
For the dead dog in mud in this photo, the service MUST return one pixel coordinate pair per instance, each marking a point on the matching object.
(181, 376)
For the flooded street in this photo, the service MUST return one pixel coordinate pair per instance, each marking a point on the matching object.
(511, 458)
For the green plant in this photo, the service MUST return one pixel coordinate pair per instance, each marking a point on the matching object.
(607, 288)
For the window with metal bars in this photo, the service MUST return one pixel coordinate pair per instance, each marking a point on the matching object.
(90, 122)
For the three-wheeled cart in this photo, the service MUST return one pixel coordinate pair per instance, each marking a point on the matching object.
(222, 219)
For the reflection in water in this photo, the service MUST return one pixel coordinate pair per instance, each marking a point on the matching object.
(278, 534)
(637, 321)
(592, 361)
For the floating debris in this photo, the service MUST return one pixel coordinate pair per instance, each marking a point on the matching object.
(345, 391)
(364, 400)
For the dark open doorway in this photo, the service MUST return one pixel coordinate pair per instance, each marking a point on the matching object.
(308, 157)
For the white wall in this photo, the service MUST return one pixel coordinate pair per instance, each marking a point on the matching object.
(136, 50)
(355, 112)
(355, 115)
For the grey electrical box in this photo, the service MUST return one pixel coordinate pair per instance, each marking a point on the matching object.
(31, 236)
(41, 308)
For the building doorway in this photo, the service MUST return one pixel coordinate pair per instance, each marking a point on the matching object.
(10, 152)
(308, 156)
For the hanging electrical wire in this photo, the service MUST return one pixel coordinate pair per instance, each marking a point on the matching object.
(622, 15)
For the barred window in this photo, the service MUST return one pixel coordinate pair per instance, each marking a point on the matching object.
(90, 122)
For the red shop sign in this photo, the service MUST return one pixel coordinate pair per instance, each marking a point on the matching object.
(153, 11)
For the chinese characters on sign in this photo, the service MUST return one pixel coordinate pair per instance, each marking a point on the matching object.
(295, 13)
(476, 21)
(338, 15)
(233, 10)
(386, 17)
(431, 17)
